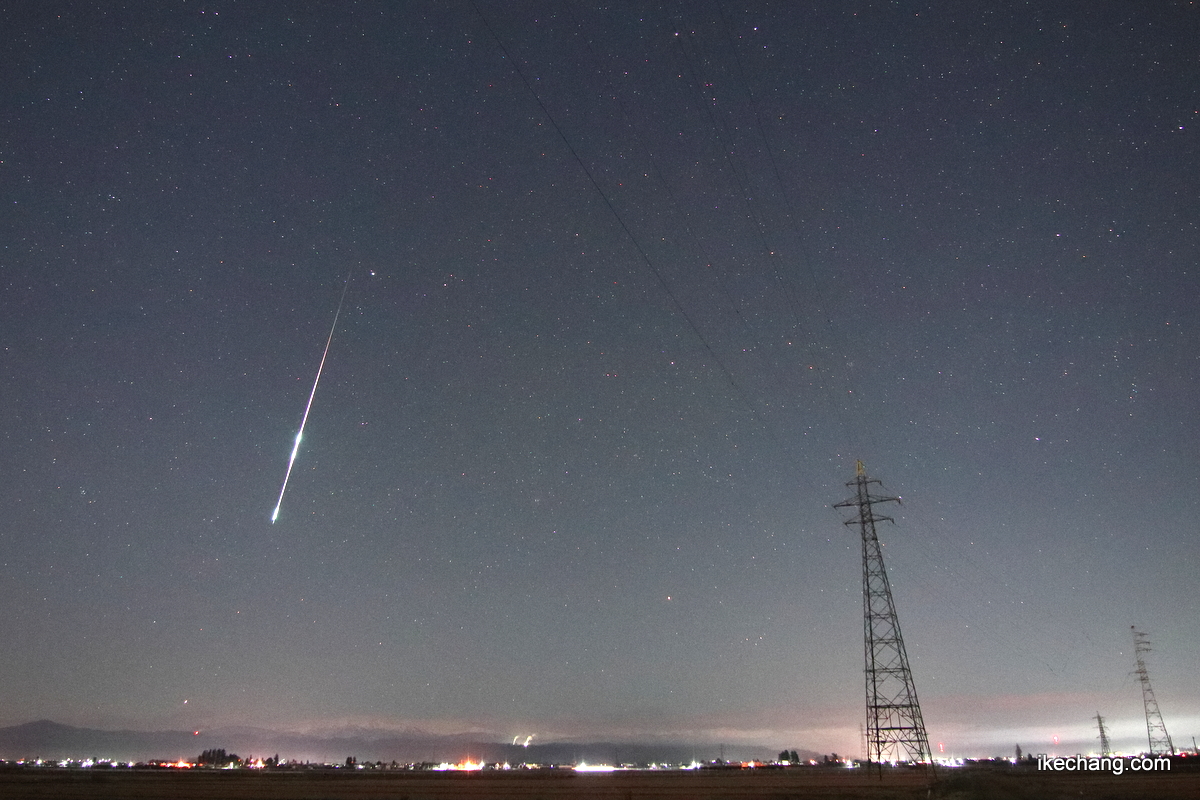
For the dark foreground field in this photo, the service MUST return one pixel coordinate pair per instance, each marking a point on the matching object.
(698, 785)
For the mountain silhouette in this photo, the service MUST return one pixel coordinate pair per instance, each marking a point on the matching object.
(49, 740)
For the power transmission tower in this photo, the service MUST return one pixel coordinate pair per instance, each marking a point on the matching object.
(1104, 748)
(1156, 729)
(895, 729)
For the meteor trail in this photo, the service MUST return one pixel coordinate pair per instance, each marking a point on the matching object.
(312, 394)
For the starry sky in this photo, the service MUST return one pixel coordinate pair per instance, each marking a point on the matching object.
(629, 288)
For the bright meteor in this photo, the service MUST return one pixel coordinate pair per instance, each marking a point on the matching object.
(311, 395)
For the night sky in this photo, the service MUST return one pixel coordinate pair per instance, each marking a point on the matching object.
(631, 288)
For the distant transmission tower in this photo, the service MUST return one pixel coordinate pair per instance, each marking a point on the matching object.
(1104, 748)
(1156, 729)
(895, 729)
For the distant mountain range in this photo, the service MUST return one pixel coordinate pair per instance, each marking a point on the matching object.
(52, 740)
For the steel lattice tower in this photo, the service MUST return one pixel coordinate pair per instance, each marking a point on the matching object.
(1105, 750)
(895, 729)
(1156, 729)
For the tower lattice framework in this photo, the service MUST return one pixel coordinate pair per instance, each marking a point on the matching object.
(1105, 749)
(895, 729)
(1156, 729)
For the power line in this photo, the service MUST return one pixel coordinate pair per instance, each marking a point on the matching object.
(619, 218)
